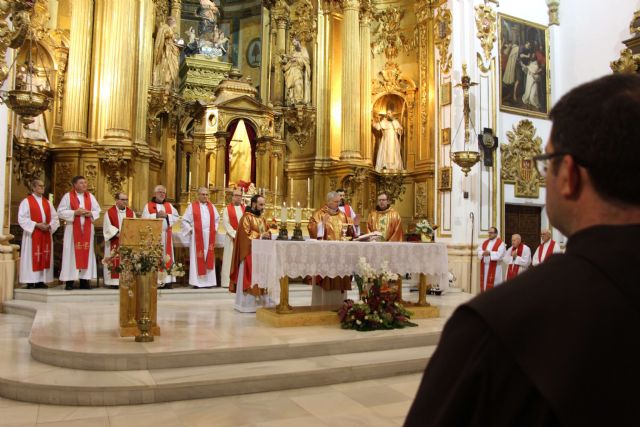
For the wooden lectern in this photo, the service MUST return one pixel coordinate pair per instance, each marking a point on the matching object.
(134, 232)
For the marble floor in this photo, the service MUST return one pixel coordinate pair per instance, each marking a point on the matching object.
(373, 403)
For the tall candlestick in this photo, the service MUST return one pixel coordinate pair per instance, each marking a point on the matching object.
(283, 213)
(298, 214)
(291, 191)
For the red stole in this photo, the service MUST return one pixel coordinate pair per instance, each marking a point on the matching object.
(347, 211)
(233, 218)
(514, 268)
(152, 208)
(491, 274)
(40, 240)
(552, 244)
(81, 233)
(115, 241)
(209, 263)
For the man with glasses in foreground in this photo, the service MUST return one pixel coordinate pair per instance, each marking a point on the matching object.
(559, 345)
(111, 229)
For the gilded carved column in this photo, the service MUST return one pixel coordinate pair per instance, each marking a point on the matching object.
(117, 73)
(221, 151)
(145, 65)
(176, 10)
(74, 121)
(281, 17)
(365, 81)
(350, 132)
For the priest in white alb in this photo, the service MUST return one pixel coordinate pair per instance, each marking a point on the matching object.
(517, 257)
(490, 254)
(230, 218)
(200, 221)
(79, 209)
(349, 212)
(111, 229)
(158, 207)
(38, 220)
(547, 247)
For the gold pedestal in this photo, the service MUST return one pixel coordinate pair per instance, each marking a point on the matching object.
(284, 307)
(298, 316)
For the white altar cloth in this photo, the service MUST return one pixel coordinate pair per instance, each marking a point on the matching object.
(276, 258)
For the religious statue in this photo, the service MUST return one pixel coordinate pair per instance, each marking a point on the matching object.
(27, 79)
(209, 12)
(165, 56)
(297, 75)
(389, 156)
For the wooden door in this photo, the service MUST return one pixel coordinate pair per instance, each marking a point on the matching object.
(525, 221)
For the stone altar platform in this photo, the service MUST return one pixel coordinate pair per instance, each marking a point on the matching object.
(72, 355)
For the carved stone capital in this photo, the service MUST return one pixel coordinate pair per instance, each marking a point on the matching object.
(115, 167)
(300, 124)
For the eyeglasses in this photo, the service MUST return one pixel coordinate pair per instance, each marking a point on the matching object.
(542, 161)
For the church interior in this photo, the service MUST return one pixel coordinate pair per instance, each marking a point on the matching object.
(441, 105)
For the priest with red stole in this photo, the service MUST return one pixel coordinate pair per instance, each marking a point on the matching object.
(253, 225)
(547, 247)
(349, 212)
(38, 220)
(517, 257)
(112, 223)
(200, 220)
(79, 209)
(158, 207)
(490, 254)
(230, 218)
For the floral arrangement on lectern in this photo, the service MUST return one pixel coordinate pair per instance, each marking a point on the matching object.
(147, 258)
(379, 307)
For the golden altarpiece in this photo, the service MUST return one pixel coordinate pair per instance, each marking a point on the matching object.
(176, 92)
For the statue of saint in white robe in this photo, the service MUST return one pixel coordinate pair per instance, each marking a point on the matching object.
(389, 155)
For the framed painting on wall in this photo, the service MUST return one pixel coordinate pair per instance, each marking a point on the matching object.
(445, 94)
(524, 67)
(445, 136)
(444, 179)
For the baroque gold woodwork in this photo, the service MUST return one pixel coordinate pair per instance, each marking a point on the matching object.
(392, 184)
(442, 37)
(63, 171)
(634, 27)
(420, 203)
(486, 21)
(518, 166)
(304, 22)
(300, 124)
(28, 161)
(115, 166)
(627, 63)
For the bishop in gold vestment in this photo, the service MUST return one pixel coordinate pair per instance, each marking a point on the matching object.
(252, 226)
(386, 220)
(327, 222)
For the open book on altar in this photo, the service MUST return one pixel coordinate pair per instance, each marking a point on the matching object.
(374, 236)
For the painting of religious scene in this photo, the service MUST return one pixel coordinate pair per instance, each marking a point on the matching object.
(524, 67)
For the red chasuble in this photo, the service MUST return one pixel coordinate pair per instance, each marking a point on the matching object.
(152, 208)
(233, 218)
(514, 268)
(552, 244)
(40, 240)
(491, 274)
(81, 233)
(115, 241)
(209, 262)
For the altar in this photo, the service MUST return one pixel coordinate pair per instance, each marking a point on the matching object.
(275, 261)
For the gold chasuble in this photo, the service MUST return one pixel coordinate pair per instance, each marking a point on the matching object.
(250, 227)
(388, 223)
(332, 231)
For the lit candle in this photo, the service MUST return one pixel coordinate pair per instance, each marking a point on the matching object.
(276, 189)
(208, 176)
(189, 184)
(283, 213)
(298, 214)
(224, 181)
(291, 191)
(309, 186)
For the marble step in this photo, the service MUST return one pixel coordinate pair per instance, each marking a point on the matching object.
(25, 379)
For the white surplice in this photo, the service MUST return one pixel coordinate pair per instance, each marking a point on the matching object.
(27, 275)
(356, 228)
(168, 222)
(188, 225)
(69, 271)
(228, 245)
(247, 303)
(494, 256)
(523, 261)
(110, 231)
(537, 259)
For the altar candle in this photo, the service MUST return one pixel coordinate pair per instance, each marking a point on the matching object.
(276, 189)
(298, 214)
(208, 176)
(291, 191)
(309, 186)
(224, 181)
(283, 212)
(189, 184)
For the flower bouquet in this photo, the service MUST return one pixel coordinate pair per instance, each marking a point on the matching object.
(426, 230)
(379, 307)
